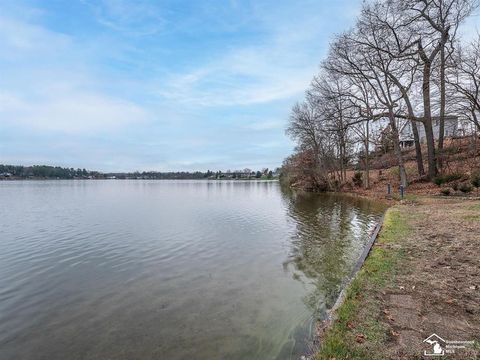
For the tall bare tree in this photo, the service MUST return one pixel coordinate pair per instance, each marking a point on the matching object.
(434, 22)
(351, 56)
(465, 80)
(382, 30)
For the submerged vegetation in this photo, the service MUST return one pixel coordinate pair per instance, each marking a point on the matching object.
(418, 279)
(379, 268)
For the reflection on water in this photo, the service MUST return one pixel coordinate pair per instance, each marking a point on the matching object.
(170, 269)
(331, 232)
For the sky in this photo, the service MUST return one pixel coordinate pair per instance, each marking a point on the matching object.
(166, 85)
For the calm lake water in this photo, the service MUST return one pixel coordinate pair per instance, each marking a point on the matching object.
(170, 269)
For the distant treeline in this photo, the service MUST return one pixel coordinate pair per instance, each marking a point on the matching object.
(44, 171)
(185, 175)
(57, 172)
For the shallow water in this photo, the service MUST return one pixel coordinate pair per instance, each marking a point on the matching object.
(170, 269)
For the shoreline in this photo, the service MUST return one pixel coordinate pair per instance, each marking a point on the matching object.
(323, 325)
(120, 179)
(356, 269)
(379, 313)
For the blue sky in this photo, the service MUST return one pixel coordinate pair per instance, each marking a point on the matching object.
(157, 85)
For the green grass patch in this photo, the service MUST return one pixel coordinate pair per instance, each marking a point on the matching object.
(406, 196)
(475, 207)
(409, 170)
(360, 306)
(476, 215)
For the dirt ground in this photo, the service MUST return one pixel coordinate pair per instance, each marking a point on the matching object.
(437, 291)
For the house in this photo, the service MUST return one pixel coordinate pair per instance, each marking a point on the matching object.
(406, 134)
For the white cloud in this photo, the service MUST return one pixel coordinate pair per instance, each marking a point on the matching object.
(49, 86)
(18, 38)
(138, 18)
(243, 76)
(278, 66)
(265, 125)
(73, 112)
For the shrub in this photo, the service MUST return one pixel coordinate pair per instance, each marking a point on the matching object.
(446, 191)
(438, 180)
(475, 180)
(465, 188)
(446, 178)
(358, 178)
(453, 177)
(455, 186)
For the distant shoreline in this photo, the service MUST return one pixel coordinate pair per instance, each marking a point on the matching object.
(124, 179)
(47, 172)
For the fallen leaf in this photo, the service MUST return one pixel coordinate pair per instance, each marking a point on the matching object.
(350, 325)
(360, 338)
(394, 333)
(450, 301)
(387, 315)
(473, 287)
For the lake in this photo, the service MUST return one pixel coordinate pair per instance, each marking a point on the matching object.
(139, 269)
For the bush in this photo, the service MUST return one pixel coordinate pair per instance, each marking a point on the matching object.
(475, 180)
(446, 191)
(438, 180)
(455, 186)
(446, 178)
(357, 178)
(465, 188)
(453, 177)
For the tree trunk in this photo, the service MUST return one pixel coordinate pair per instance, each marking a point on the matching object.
(344, 158)
(397, 149)
(367, 165)
(411, 114)
(342, 179)
(432, 161)
(432, 168)
(441, 128)
(475, 120)
(418, 149)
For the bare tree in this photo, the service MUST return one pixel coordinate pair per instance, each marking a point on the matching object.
(351, 56)
(435, 22)
(398, 64)
(465, 79)
(328, 93)
(381, 29)
(305, 121)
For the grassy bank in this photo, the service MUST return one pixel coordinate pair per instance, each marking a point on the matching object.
(357, 310)
(421, 277)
